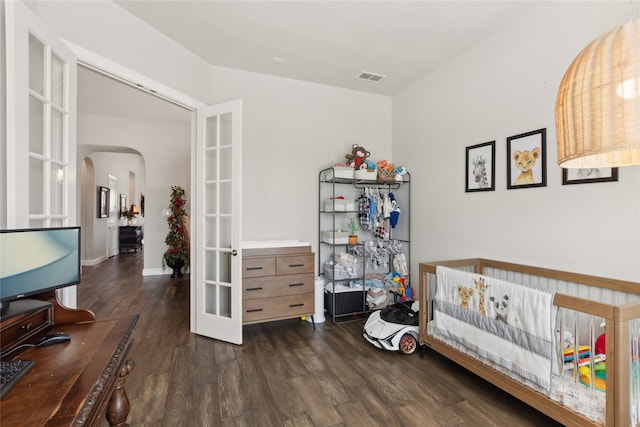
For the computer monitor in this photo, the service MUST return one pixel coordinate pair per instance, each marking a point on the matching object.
(35, 260)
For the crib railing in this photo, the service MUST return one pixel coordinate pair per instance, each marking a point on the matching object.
(615, 303)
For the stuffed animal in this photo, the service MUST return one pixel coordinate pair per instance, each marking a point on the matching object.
(358, 155)
(368, 165)
(567, 338)
(400, 171)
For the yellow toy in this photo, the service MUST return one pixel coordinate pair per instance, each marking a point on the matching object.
(599, 380)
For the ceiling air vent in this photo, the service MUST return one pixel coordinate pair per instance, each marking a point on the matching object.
(371, 77)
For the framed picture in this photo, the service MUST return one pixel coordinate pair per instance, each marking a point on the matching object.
(103, 202)
(123, 204)
(527, 160)
(481, 171)
(589, 175)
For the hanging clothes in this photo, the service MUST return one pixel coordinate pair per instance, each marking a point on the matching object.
(395, 211)
(363, 214)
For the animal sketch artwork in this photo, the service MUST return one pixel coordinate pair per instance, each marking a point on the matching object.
(502, 307)
(481, 287)
(525, 161)
(480, 171)
(465, 296)
(588, 173)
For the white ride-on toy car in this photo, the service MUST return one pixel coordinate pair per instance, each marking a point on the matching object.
(394, 327)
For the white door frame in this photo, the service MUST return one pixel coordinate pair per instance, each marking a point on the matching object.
(113, 231)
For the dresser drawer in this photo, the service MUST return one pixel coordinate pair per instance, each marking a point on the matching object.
(258, 267)
(295, 264)
(274, 308)
(263, 287)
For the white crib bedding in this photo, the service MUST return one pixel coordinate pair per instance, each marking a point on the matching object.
(564, 389)
(511, 325)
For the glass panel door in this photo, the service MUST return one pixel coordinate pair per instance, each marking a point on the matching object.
(41, 100)
(216, 308)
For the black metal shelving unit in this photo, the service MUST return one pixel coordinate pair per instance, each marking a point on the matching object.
(334, 215)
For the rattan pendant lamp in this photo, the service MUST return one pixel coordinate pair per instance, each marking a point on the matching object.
(598, 104)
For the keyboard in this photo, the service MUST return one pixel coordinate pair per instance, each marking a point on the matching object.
(11, 371)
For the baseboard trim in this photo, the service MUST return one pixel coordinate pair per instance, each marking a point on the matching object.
(155, 271)
(95, 261)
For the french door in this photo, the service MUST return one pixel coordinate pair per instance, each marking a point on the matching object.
(216, 305)
(41, 123)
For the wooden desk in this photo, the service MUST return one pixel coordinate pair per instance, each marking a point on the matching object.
(75, 383)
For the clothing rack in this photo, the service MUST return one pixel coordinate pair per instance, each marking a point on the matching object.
(376, 184)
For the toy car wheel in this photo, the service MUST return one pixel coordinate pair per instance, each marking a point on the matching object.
(408, 344)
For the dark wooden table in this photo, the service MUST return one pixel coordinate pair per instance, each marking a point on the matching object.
(75, 383)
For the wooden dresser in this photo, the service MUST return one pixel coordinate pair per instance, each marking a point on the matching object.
(277, 283)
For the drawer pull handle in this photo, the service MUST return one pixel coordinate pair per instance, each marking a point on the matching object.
(254, 268)
(254, 310)
(255, 289)
(296, 305)
(296, 265)
(296, 284)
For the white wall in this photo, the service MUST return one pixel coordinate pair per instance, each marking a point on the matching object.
(292, 130)
(165, 152)
(504, 86)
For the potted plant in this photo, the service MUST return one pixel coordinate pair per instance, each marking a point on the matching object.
(176, 255)
(353, 237)
(129, 216)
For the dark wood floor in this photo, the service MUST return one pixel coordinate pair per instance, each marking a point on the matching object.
(285, 373)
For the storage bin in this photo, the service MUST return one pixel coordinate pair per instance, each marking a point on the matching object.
(335, 271)
(342, 172)
(364, 174)
(335, 237)
(339, 205)
(345, 302)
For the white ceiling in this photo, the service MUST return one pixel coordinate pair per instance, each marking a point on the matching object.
(329, 42)
(326, 42)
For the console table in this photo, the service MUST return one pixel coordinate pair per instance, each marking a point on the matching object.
(130, 237)
(75, 383)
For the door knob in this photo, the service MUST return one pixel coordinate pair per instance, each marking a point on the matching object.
(234, 252)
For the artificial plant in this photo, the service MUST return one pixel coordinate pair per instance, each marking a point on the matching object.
(177, 250)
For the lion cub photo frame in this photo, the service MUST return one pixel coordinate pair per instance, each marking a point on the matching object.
(481, 170)
(527, 160)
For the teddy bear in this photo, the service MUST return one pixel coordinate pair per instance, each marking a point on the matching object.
(358, 155)
(465, 296)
